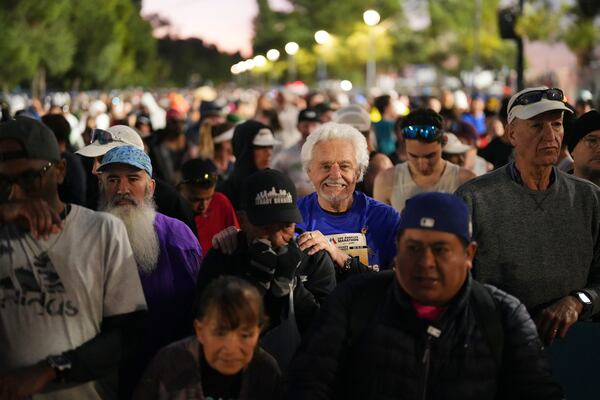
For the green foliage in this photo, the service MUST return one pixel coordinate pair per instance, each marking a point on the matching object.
(83, 44)
(35, 36)
(573, 22)
(449, 42)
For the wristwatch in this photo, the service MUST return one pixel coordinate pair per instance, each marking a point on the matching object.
(585, 300)
(60, 364)
(348, 264)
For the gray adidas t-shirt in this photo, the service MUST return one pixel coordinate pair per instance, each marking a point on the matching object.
(54, 293)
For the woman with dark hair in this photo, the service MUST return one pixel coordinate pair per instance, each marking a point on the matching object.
(222, 361)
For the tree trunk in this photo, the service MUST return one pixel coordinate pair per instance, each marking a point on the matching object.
(38, 84)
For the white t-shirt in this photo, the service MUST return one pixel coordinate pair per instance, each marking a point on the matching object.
(54, 293)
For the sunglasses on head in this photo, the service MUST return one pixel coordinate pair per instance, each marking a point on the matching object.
(205, 181)
(537, 95)
(102, 136)
(425, 132)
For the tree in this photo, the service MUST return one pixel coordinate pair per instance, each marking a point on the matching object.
(35, 41)
(572, 22)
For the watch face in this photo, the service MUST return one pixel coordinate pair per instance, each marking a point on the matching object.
(584, 298)
(59, 362)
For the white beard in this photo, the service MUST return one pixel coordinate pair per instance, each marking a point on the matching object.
(139, 222)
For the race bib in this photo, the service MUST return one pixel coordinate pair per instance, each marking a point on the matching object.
(353, 244)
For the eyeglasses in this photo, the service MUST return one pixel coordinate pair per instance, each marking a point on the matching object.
(102, 136)
(426, 132)
(537, 95)
(206, 180)
(592, 142)
(28, 180)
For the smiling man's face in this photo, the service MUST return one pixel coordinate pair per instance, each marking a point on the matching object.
(334, 172)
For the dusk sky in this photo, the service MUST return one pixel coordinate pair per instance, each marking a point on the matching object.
(225, 23)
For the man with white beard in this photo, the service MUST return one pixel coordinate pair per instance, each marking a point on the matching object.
(167, 253)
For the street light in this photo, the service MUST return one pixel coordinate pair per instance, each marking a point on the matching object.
(273, 55)
(371, 18)
(291, 48)
(322, 38)
(259, 61)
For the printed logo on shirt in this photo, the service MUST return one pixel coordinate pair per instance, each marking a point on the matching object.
(273, 197)
(36, 286)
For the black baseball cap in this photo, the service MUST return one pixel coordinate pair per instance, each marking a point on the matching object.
(199, 171)
(37, 140)
(309, 114)
(269, 197)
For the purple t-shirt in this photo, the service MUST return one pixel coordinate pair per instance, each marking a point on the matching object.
(171, 287)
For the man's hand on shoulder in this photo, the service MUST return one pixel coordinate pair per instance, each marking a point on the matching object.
(557, 319)
(226, 240)
(313, 241)
(33, 215)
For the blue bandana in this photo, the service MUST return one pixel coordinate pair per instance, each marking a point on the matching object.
(129, 155)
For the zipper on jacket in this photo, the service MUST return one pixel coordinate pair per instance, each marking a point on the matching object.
(432, 332)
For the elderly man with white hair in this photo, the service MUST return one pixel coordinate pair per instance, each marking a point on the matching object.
(355, 230)
(352, 227)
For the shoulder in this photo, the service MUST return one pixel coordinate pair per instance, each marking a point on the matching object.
(307, 200)
(377, 208)
(176, 359)
(387, 176)
(172, 231)
(576, 183)
(221, 199)
(361, 285)
(465, 174)
(265, 361)
(100, 219)
(492, 178)
(513, 312)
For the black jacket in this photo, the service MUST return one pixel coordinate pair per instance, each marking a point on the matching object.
(315, 279)
(393, 356)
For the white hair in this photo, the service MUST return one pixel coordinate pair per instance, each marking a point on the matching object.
(332, 130)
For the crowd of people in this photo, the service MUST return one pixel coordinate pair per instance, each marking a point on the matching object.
(245, 244)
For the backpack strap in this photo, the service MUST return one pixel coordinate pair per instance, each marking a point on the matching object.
(489, 318)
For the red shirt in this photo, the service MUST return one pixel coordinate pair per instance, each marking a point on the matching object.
(219, 215)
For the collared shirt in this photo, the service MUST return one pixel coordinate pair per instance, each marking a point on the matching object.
(515, 175)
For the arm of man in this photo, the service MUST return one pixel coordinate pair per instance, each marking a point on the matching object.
(315, 280)
(382, 187)
(118, 337)
(525, 371)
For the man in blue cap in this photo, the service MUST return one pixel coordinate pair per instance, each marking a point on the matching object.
(426, 330)
(167, 253)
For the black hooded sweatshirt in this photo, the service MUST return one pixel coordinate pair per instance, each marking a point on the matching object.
(243, 150)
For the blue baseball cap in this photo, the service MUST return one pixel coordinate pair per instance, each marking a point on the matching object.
(437, 212)
(129, 155)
